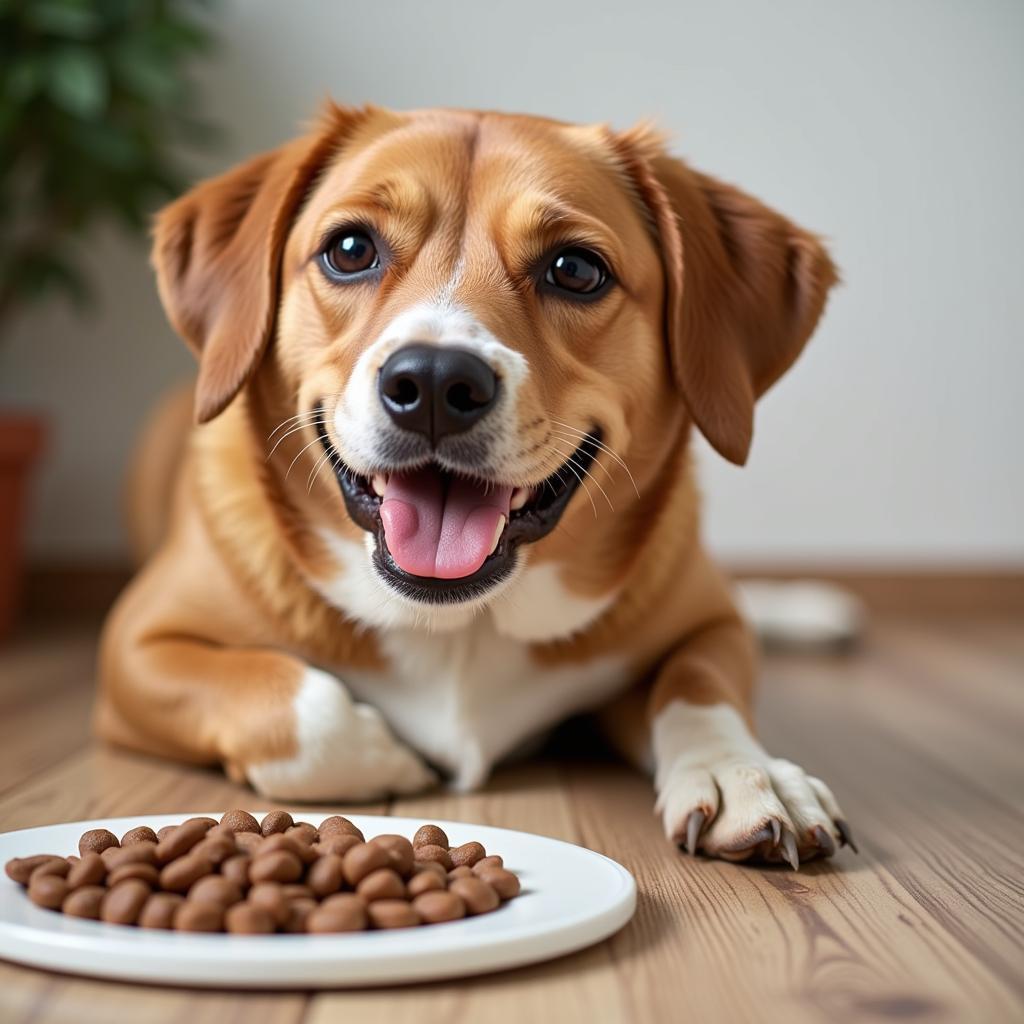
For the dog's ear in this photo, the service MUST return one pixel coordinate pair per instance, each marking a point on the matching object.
(217, 254)
(744, 289)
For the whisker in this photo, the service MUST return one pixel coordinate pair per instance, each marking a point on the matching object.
(294, 430)
(315, 440)
(317, 467)
(586, 472)
(311, 413)
(586, 435)
(583, 484)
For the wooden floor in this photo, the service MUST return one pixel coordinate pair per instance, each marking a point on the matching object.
(920, 736)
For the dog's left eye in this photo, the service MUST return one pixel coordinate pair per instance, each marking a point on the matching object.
(577, 271)
(351, 251)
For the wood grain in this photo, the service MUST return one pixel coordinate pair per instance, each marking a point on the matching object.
(918, 734)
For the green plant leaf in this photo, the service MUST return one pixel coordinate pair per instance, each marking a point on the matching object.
(78, 82)
(64, 18)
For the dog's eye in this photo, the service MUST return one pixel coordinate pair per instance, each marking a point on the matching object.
(577, 271)
(350, 252)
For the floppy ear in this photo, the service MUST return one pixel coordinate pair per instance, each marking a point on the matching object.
(217, 254)
(744, 290)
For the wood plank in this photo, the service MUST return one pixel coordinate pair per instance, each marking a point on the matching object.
(946, 852)
(45, 699)
(36, 996)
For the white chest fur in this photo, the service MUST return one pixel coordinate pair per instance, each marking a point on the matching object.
(463, 688)
(466, 699)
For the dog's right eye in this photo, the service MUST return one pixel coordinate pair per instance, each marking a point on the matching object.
(351, 251)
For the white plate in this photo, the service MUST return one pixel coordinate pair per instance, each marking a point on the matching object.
(571, 898)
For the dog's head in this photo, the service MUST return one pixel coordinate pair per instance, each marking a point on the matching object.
(494, 330)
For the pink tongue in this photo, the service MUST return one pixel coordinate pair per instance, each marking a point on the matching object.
(431, 532)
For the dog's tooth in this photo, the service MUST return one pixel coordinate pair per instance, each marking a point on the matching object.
(519, 498)
(498, 530)
(379, 483)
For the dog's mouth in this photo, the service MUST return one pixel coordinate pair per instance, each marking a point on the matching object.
(444, 537)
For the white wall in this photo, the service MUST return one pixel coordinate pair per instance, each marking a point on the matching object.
(894, 128)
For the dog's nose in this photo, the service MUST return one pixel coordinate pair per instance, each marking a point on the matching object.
(435, 391)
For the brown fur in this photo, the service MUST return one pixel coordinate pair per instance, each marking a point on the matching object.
(716, 296)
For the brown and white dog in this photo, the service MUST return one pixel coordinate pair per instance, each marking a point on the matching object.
(439, 497)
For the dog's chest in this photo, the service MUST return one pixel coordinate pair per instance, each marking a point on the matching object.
(468, 698)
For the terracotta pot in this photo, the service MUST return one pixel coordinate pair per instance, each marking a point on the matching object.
(22, 439)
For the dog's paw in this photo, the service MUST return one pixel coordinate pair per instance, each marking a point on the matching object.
(344, 751)
(771, 811)
(720, 793)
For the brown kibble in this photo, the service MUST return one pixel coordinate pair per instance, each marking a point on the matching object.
(298, 911)
(215, 889)
(207, 823)
(60, 866)
(382, 884)
(276, 821)
(297, 891)
(270, 896)
(503, 882)
(47, 890)
(199, 916)
(148, 873)
(467, 854)
(89, 870)
(163, 833)
(240, 821)
(462, 871)
(338, 842)
(142, 852)
(237, 870)
(326, 875)
(84, 902)
(248, 842)
(423, 881)
(180, 874)
(337, 825)
(400, 850)
(124, 901)
(139, 834)
(430, 835)
(438, 854)
(479, 897)
(303, 833)
(247, 919)
(20, 868)
(178, 843)
(342, 912)
(362, 859)
(96, 840)
(436, 907)
(431, 866)
(493, 861)
(393, 914)
(159, 910)
(276, 866)
(216, 849)
(279, 841)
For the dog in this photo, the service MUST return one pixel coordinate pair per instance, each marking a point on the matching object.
(439, 496)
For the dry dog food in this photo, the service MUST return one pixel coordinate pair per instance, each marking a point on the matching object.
(254, 877)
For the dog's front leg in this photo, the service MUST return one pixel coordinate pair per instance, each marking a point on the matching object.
(291, 730)
(719, 791)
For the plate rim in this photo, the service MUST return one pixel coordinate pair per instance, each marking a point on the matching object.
(393, 962)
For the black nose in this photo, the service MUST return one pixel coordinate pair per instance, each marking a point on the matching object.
(435, 391)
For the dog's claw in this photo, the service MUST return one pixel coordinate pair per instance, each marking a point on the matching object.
(846, 834)
(776, 831)
(789, 851)
(824, 841)
(693, 826)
